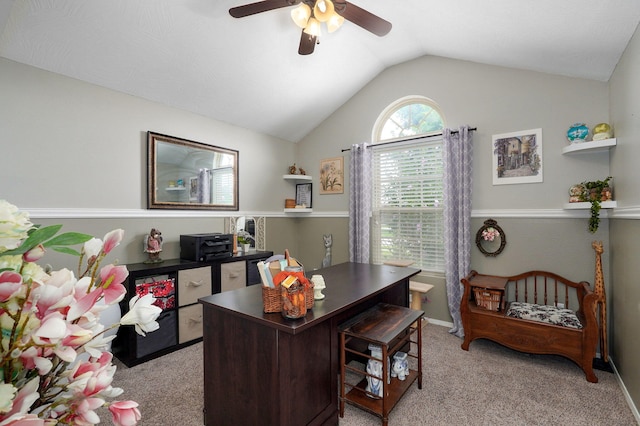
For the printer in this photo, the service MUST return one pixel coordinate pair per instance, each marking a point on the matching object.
(206, 247)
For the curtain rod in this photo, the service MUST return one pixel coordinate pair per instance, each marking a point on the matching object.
(453, 132)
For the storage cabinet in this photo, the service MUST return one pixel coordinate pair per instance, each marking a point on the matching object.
(176, 286)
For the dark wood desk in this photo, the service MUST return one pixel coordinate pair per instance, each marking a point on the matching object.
(264, 369)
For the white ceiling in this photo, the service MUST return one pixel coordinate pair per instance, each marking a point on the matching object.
(192, 55)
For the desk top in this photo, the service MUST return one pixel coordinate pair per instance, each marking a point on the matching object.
(347, 284)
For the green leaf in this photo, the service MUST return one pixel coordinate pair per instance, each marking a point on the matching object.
(66, 250)
(68, 239)
(36, 237)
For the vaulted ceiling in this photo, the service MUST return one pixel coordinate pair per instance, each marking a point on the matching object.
(192, 55)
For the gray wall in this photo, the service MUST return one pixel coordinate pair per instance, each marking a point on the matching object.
(74, 145)
(625, 231)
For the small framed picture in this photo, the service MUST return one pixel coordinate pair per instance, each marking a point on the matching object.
(303, 195)
(331, 176)
(517, 157)
(193, 188)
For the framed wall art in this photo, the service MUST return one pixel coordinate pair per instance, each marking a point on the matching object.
(517, 157)
(193, 188)
(332, 176)
(303, 195)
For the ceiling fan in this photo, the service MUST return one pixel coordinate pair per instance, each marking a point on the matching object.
(310, 13)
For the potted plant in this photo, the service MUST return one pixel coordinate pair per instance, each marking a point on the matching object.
(244, 240)
(595, 192)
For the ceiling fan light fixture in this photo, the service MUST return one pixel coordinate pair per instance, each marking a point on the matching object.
(313, 27)
(334, 22)
(323, 10)
(301, 14)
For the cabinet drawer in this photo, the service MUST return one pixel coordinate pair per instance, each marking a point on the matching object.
(162, 338)
(190, 323)
(233, 275)
(193, 284)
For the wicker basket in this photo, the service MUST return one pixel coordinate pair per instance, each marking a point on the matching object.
(272, 299)
(308, 296)
(488, 299)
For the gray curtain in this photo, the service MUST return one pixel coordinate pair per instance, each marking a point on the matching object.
(360, 176)
(204, 186)
(458, 183)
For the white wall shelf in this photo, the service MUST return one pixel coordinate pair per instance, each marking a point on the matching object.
(592, 146)
(298, 210)
(297, 177)
(175, 188)
(587, 205)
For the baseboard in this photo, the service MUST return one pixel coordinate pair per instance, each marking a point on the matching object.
(438, 322)
(625, 392)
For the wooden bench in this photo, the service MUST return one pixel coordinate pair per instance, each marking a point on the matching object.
(532, 314)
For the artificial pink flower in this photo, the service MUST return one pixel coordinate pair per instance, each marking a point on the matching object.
(23, 401)
(24, 420)
(31, 360)
(112, 239)
(125, 413)
(52, 330)
(77, 336)
(84, 411)
(10, 285)
(91, 249)
(82, 305)
(111, 277)
(34, 254)
(56, 293)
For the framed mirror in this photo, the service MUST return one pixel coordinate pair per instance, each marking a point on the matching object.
(490, 238)
(184, 174)
(254, 226)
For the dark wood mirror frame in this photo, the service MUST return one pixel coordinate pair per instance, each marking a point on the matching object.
(490, 249)
(175, 168)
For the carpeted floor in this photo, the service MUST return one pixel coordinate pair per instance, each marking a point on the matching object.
(488, 385)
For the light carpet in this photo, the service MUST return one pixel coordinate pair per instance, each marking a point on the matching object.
(488, 385)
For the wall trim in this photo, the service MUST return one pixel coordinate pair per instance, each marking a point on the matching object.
(91, 213)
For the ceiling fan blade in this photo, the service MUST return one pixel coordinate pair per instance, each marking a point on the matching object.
(307, 44)
(259, 7)
(363, 18)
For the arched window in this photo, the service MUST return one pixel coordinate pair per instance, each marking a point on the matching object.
(408, 117)
(407, 198)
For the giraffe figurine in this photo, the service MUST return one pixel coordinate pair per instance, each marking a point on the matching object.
(601, 301)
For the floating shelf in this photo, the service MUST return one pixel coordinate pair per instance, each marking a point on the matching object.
(296, 177)
(592, 146)
(300, 210)
(587, 205)
(176, 188)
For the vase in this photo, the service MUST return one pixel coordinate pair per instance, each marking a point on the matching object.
(602, 131)
(246, 247)
(400, 367)
(578, 133)
(374, 368)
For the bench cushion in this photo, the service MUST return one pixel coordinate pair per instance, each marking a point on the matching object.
(544, 313)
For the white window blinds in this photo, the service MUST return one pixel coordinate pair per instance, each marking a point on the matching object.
(407, 209)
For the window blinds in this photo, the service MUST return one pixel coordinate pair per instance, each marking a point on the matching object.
(407, 208)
